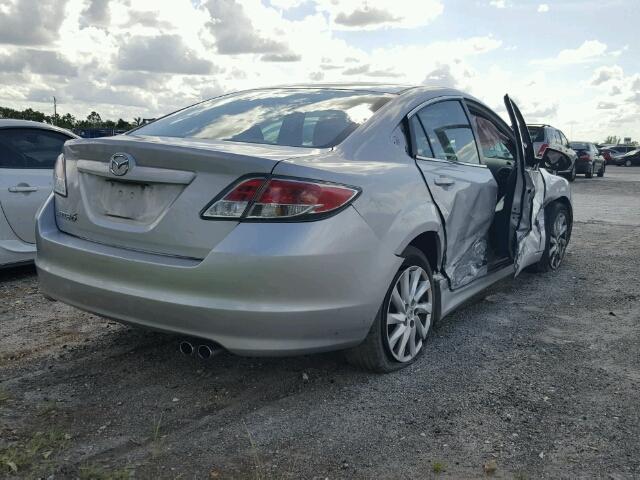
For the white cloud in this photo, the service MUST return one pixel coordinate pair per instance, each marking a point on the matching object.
(31, 22)
(498, 3)
(606, 74)
(543, 8)
(589, 50)
(375, 14)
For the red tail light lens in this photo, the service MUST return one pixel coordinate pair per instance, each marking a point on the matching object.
(292, 198)
(542, 149)
(280, 198)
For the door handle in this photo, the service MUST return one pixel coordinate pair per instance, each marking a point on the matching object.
(23, 189)
(444, 181)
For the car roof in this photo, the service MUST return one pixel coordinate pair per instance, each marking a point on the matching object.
(15, 123)
(356, 86)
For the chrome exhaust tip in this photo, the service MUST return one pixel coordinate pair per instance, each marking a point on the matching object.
(205, 352)
(186, 348)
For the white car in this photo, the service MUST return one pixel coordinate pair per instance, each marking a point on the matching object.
(28, 151)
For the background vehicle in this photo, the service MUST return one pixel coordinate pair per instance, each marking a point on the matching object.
(303, 219)
(589, 160)
(28, 151)
(544, 136)
(608, 155)
(629, 158)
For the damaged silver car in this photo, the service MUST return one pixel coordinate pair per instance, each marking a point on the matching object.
(303, 219)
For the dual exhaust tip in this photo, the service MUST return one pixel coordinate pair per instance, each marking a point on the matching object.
(203, 351)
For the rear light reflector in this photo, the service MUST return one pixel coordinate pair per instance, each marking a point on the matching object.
(234, 203)
(542, 149)
(60, 176)
(281, 198)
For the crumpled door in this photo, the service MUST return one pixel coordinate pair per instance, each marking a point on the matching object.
(526, 226)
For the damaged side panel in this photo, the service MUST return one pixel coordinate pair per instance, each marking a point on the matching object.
(531, 232)
(466, 197)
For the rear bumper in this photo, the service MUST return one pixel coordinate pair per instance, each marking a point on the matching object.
(266, 289)
(583, 166)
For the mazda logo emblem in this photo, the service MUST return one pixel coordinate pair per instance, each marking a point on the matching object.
(120, 164)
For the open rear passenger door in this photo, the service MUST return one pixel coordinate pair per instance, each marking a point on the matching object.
(526, 224)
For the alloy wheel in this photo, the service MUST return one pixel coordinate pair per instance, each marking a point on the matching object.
(408, 316)
(558, 240)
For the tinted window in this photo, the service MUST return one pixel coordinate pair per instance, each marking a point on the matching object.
(493, 142)
(294, 117)
(422, 144)
(563, 139)
(449, 132)
(30, 148)
(579, 145)
(536, 134)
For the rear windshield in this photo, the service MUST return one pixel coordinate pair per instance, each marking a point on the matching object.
(293, 117)
(536, 134)
(579, 145)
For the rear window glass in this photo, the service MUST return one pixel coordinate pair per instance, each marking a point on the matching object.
(579, 145)
(536, 134)
(292, 117)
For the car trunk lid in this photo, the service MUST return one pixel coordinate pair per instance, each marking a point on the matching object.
(146, 193)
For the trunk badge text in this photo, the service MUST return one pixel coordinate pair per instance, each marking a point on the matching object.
(72, 217)
(120, 164)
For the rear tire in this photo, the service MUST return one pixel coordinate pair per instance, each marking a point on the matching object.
(398, 335)
(571, 176)
(601, 171)
(556, 215)
(589, 174)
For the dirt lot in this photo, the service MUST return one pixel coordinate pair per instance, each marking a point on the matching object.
(539, 379)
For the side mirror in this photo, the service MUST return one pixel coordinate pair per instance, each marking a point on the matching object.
(555, 160)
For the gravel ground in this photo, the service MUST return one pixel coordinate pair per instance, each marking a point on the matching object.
(538, 379)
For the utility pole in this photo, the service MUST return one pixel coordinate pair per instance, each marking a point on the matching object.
(55, 114)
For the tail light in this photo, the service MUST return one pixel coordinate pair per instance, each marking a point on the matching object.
(542, 149)
(60, 176)
(281, 198)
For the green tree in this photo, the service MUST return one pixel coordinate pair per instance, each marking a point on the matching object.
(612, 139)
(137, 121)
(94, 119)
(123, 125)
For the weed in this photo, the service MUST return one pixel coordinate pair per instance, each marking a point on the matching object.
(438, 467)
(37, 450)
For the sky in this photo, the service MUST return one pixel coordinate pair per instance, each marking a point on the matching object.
(574, 64)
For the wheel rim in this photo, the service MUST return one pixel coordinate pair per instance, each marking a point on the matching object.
(408, 317)
(628, 163)
(558, 240)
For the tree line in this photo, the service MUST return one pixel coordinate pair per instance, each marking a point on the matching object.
(68, 121)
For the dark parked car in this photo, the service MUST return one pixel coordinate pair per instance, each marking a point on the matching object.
(544, 136)
(589, 160)
(630, 158)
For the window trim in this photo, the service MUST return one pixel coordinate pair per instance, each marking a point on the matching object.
(432, 101)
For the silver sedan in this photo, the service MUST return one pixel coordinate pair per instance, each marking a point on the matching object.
(303, 219)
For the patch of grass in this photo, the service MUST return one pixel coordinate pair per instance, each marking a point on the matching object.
(438, 467)
(4, 397)
(95, 472)
(35, 451)
(157, 424)
(256, 457)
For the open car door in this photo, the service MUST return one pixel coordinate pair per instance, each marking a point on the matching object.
(526, 225)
